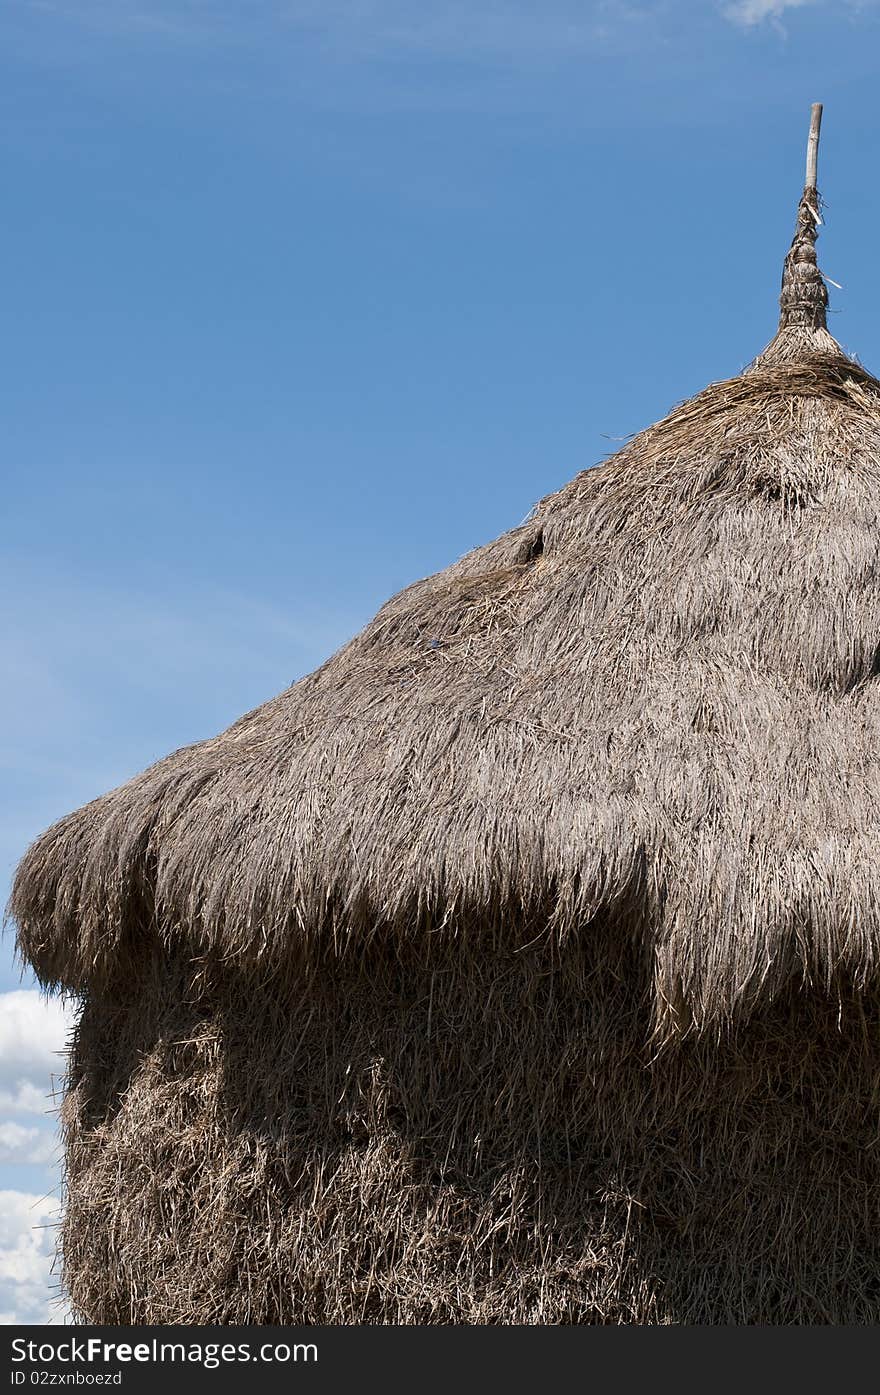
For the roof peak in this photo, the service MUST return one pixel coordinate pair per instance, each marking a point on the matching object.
(803, 299)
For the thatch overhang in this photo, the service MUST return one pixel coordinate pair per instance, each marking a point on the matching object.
(653, 705)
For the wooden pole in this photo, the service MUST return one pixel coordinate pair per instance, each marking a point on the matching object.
(813, 145)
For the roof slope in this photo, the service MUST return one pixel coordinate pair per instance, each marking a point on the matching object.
(655, 702)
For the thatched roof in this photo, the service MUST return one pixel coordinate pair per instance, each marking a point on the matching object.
(653, 705)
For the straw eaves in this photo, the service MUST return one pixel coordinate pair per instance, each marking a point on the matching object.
(656, 698)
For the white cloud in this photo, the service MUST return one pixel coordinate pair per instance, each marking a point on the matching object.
(27, 1249)
(22, 1143)
(752, 12)
(33, 1035)
(25, 1098)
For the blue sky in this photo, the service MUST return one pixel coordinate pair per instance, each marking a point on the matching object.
(303, 300)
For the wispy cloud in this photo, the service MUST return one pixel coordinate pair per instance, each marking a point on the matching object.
(472, 28)
(507, 34)
(750, 13)
(100, 682)
(459, 29)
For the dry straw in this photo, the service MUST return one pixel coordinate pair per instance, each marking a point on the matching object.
(522, 964)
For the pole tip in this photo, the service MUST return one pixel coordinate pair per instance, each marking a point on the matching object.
(813, 145)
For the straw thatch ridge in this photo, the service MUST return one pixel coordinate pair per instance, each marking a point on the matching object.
(656, 698)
